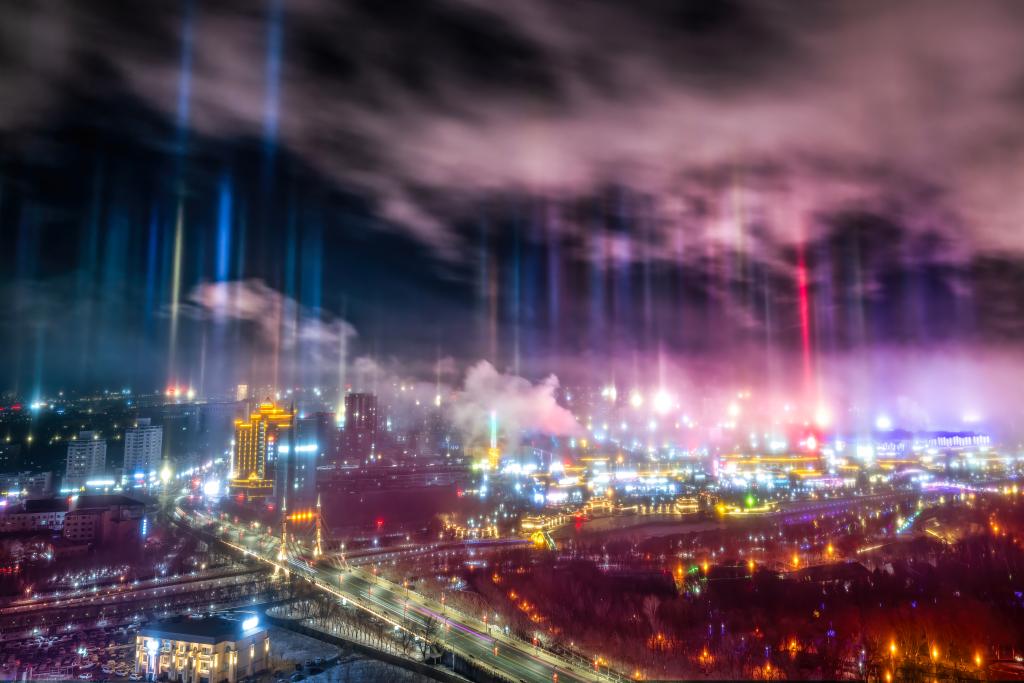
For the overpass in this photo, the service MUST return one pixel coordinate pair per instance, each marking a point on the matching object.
(485, 645)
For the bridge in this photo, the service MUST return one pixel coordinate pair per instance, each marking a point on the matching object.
(485, 645)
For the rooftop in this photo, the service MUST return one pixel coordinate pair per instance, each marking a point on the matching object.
(37, 505)
(207, 630)
(104, 500)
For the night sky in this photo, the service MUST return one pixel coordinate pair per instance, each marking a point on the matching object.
(273, 191)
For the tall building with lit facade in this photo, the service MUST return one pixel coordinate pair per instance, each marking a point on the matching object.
(256, 448)
(360, 439)
(143, 447)
(87, 459)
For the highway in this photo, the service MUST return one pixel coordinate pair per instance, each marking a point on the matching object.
(486, 646)
(162, 587)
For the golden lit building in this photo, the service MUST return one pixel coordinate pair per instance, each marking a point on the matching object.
(203, 650)
(493, 458)
(255, 452)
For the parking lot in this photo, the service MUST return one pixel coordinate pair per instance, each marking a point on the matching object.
(107, 655)
(97, 655)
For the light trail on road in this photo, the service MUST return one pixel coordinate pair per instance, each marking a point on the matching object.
(411, 612)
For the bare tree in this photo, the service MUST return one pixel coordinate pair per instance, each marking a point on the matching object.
(428, 634)
(650, 608)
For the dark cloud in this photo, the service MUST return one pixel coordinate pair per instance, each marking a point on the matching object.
(526, 181)
(431, 107)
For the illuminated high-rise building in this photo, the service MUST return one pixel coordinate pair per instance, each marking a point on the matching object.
(255, 451)
(87, 459)
(143, 447)
(360, 437)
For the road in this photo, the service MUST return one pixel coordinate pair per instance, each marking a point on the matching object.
(487, 646)
(163, 587)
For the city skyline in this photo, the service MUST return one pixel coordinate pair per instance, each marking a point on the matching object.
(539, 341)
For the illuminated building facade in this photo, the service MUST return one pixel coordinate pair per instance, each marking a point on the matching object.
(87, 459)
(206, 650)
(255, 451)
(143, 447)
